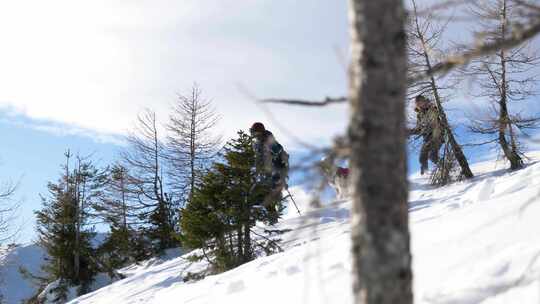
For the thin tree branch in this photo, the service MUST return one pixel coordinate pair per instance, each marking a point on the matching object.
(299, 102)
(518, 37)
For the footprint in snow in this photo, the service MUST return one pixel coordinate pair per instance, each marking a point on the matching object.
(271, 274)
(291, 270)
(325, 220)
(454, 206)
(236, 286)
(520, 184)
(337, 266)
(261, 265)
(486, 189)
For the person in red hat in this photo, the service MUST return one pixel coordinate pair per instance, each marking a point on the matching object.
(271, 162)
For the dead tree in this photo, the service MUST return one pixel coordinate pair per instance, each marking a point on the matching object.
(425, 37)
(503, 78)
(191, 144)
(377, 86)
(144, 161)
(8, 211)
(376, 141)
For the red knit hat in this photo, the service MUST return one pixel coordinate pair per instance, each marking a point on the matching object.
(342, 172)
(257, 127)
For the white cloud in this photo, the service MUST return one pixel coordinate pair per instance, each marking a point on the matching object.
(11, 116)
(96, 64)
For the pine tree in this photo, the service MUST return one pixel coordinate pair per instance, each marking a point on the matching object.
(119, 208)
(63, 229)
(225, 207)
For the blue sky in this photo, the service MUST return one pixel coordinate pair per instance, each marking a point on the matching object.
(33, 157)
(74, 74)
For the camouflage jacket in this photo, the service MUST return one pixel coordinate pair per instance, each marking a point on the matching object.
(428, 123)
(270, 157)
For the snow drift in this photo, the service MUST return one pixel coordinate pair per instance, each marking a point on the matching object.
(13, 286)
(472, 242)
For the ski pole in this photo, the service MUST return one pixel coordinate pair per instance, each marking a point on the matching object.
(292, 199)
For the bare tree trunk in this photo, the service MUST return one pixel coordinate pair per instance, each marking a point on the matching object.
(510, 152)
(124, 204)
(240, 244)
(503, 123)
(247, 242)
(67, 154)
(76, 251)
(193, 143)
(456, 148)
(380, 233)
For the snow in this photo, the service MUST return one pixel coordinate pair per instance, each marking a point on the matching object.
(472, 242)
(318, 245)
(478, 242)
(13, 287)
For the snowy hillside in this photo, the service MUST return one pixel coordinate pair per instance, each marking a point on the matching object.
(13, 287)
(473, 242)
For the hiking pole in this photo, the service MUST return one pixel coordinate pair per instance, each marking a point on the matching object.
(292, 199)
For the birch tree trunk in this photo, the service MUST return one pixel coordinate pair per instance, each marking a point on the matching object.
(380, 235)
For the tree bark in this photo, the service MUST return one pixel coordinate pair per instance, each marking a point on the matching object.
(510, 152)
(456, 148)
(380, 233)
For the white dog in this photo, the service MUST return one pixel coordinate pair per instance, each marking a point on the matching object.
(338, 178)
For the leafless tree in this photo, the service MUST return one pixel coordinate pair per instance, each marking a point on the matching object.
(191, 144)
(376, 139)
(145, 160)
(424, 41)
(504, 77)
(8, 214)
(8, 211)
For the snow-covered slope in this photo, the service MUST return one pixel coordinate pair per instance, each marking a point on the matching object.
(472, 242)
(13, 287)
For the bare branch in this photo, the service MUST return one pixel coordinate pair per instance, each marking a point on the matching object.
(458, 60)
(300, 102)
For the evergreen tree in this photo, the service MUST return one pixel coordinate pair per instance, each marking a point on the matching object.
(226, 205)
(63, 229)
(119, 208)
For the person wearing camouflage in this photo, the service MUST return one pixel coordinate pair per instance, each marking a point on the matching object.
(428, 125)
(271, 162)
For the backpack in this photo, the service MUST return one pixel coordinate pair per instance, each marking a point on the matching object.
(280, 160)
